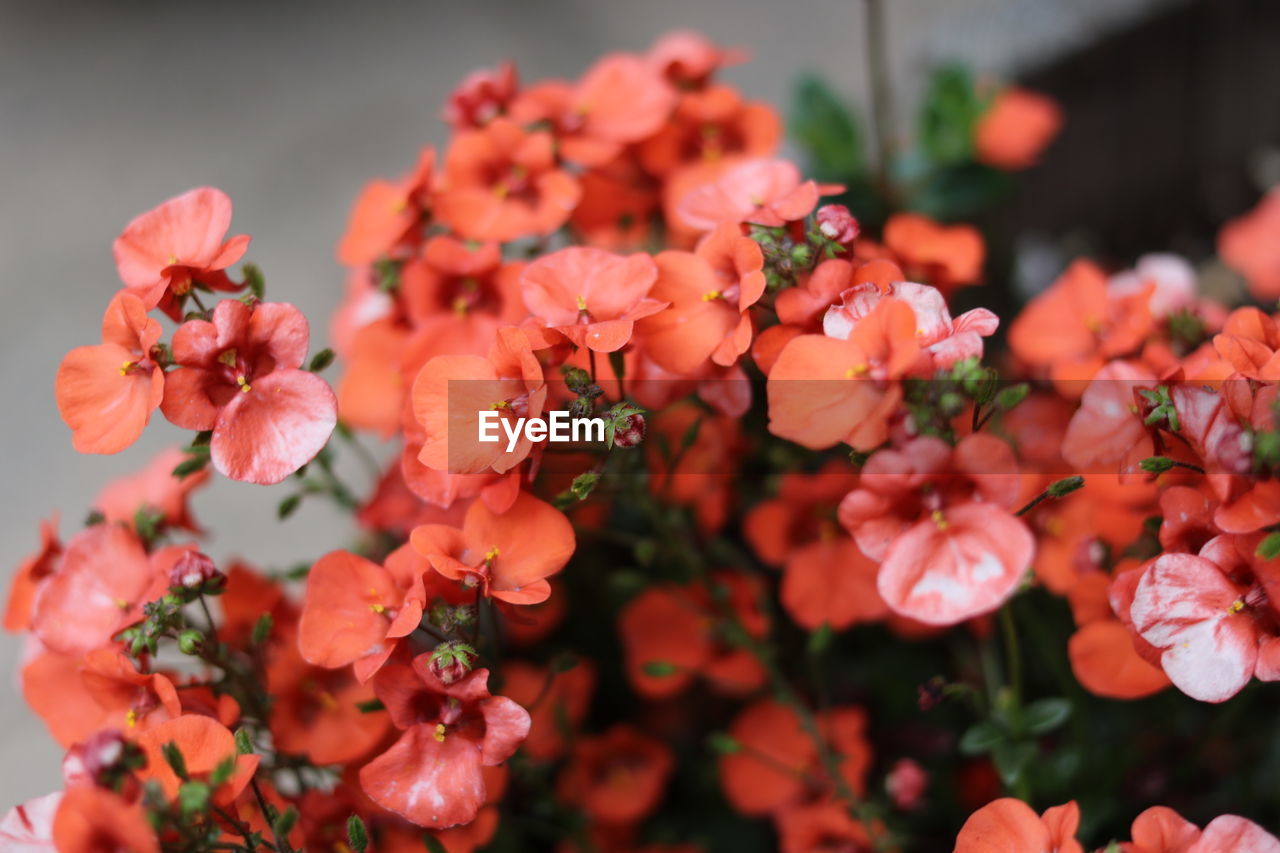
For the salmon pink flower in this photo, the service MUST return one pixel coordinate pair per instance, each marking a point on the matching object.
(30, 575)
(1160, 829)
(1207, 626)
(163, 253)
(1247, 244)
(356, 611)
(557, 702)
(239, 376)
(590, 296)
(91, 819)
(620, 100)
(1017, 126)
(947, 256)
(482, 96)
(317, 712)
(205, 744)
(508, 556)
(760, 192)
(388, 214)
(432, 775)
(1108, 426)
(709, 291)
(831, 582)
(617, 777)
(1010, 826)
(1249, 341)
(502, 183)
(938, 520)
(943, 341)
(451, 391)
(106, 393)
(153, 490)
(823, 390)
(99, 589)
(688, 59)
(710, 125)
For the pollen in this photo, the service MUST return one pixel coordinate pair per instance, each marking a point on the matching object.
(460, 306)
(491, 555)
(582, 302)
(712, 295)
(856, 371)
(122, 604)
(1236, 606)
(245, 387)
(377, 608)
(327, 700)
(439, 733)
(939, 519)
(131, 718)
(124, 367)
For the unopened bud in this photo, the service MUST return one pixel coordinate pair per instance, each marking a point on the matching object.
(837, 224)
(189, 642)
(194, 571)
(451, 661)
(632, 432)
(906, 784)
(106, 756)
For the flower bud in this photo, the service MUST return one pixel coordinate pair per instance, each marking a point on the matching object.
(837, 224)
(195, 572)
(906, 784)
(104, 758)
(451, 661)
(189, 642)
(632, 433)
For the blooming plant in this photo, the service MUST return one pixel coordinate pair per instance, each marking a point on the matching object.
(827, 579)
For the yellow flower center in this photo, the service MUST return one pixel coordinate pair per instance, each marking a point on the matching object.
(245, 387)
(439, 733)
(939, 519)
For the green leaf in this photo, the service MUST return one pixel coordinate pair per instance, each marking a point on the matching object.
(244, 743)
(173, 756)
(950, 111)
(691, 434)
(981, 737)
(659, 668)
(433, 844)
(371, 706)
(820, 639)
(1045, 715)
(288, 506)
(827, 131)
(254, 280)
(619, 364)
(1269, 548)
(1065, 486)
(193, 797)
(285, 822)
(321, 360)
(564, 662)
(1011, 760)
(1156, 464)
(723, 744)
(191, 465)
(357, 835)
(223, 771)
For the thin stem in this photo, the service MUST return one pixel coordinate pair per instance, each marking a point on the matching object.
(281, 845)
(881, 94)
(195, 297)
(1012, 651)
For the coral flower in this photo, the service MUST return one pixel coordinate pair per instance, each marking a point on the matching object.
(709, 291)
(1016, 128)
(673, 628)
(821, 826)
(823, 390)
(1010, 826)
(708, 126)
(947, 256)
(106, 393)
(1247, 244)
(356, 611)
(591, 296)
(778, 765)
(761, 192)
(153, 490)
(317, 712)
(938, 520)
(618, 776)
(943, 341)
(621, 99)
(91, 819)
(688, 59)
(1076, 325)
(239, 376)
(432, 775)
(557, 702)
(1108, 427)
(30, 576)
(386, 213)
(205, 744)
(165, 252)
(831, 582)
(502, 183)
(482, 96)
(1249, 341)
(99, 589)
(508, 556)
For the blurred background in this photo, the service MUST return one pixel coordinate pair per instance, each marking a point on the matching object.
(106, 109)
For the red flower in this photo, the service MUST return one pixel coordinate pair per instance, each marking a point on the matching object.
(240, 377)
(106, 393)
(432, 774)
(165, 252)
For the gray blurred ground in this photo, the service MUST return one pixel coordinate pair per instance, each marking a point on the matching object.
(108, 108)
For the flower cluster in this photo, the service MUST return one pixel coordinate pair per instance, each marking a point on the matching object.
(816, 510)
